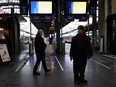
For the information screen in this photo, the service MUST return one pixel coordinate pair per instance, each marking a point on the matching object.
(41, 7)
(75, 7)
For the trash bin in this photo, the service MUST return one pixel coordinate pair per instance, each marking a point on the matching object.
(30, 48)
(62, 48)
(102, 44)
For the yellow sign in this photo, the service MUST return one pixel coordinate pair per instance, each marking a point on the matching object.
(51, 28)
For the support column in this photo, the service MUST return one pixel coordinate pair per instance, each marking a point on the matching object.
(101, 22)
(95, 44)
(104, 11)
(58, 26)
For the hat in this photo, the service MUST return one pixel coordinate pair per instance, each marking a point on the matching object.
(81, 27)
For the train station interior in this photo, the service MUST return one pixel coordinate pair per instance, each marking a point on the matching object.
(20, 21)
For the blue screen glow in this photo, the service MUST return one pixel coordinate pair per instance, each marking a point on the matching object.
(41, 7)
(75, 7)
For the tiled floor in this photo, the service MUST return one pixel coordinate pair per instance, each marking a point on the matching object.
(100, 72)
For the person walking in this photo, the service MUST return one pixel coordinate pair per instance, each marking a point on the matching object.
(79, 52)
(40, 47)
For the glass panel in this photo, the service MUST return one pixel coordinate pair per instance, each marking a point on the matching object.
(9, 1)
(7, 8)
(14, 1)
(3, 1)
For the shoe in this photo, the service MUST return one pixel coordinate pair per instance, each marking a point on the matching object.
(36, 73)
(47, 70)
(83, 81)
(77, 80)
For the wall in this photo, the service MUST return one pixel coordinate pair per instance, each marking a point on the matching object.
(113, 6)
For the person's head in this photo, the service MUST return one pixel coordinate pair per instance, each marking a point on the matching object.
(6, 32)
(40, 32)
(1, 33)
(81, 29)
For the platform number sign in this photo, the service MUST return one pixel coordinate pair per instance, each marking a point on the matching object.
(92, 11)
(24, 7)
(92, 7)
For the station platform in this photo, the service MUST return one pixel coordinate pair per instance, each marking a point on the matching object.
(100, 72)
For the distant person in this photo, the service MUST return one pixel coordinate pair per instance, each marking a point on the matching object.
(1, 35)
(40, 47)
(79, 52)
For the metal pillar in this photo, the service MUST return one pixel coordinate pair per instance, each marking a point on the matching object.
(94, 32)
(101, 21)
(30, 41)
(58, 26)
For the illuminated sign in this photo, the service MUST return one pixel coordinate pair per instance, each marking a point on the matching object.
(41, 7)
(75, 7)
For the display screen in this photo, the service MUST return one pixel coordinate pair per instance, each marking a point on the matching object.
(75, 7)
(41, 7)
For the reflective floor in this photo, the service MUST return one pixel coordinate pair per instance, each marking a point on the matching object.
(100, 72)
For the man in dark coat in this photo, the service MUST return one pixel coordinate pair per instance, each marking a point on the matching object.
(40, 47)
(80, 50)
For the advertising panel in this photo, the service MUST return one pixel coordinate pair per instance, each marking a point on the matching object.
(4, 53)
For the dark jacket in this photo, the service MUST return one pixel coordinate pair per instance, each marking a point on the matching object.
(40, 46)
(80, 46)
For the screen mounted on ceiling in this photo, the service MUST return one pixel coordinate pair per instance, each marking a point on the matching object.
(41, 7)
(75, 7)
